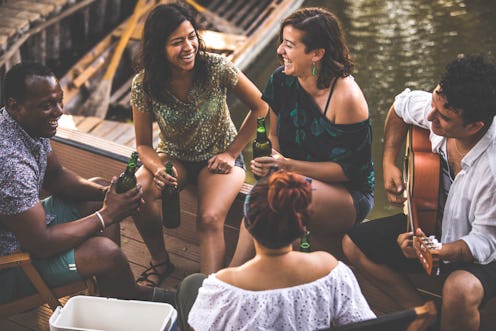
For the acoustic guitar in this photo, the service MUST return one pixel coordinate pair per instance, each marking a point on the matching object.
(421, 173)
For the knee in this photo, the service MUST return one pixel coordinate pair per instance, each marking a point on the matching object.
(109, 253)
(462, 289)
(210, 221)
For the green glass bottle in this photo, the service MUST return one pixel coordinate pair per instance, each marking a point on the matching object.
(261, 145)
(305, 242)
(127, 179)
(171, 216)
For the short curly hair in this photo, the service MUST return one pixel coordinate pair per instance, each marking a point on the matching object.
(469, 86)
(15, 86)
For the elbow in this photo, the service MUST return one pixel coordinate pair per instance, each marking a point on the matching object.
(39, 248)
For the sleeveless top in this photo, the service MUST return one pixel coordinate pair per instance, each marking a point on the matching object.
(201, 127)
(306, 134)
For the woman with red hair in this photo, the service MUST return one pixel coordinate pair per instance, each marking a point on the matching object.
(279, 289)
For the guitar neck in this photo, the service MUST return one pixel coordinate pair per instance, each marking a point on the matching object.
(426, 247)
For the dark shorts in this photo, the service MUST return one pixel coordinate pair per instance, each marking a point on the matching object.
(363, 203)
(377, 240)
(194, 168)
(56, 271)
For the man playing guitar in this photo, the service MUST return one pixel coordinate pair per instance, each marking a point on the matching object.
(459, 114)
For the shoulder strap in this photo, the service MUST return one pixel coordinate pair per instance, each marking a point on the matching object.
(330, 94)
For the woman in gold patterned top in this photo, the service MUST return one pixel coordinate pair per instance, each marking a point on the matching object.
(183, 88)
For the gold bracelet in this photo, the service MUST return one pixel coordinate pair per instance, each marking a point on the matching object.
(101, 220)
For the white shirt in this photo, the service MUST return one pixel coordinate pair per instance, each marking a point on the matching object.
(335, 299)
(470, 210)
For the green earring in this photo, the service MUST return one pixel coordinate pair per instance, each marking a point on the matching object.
(314, 69)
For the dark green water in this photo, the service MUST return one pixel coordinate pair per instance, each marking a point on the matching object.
(397, 44)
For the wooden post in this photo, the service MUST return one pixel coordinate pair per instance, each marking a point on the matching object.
(34, 50)
(53, 45)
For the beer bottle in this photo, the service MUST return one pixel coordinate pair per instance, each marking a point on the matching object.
(127, 179)
(305, 242)
(261, 145)
(170, 202)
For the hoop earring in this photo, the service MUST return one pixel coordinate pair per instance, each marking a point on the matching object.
(314, 69)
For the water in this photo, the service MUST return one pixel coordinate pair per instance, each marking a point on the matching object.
(397, 44)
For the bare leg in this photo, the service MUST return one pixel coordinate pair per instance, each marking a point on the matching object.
(245, 249)
(332, 214)
(462, 296)
(148, 220)
(216, 193)
(101, 257)
(394, 284)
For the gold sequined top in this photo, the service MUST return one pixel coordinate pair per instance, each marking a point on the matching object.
(201, 127)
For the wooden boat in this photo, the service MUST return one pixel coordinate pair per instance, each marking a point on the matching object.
(236, 29)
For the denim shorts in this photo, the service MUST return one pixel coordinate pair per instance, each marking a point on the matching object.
(363, 203)
(56, 271)
(194, 168)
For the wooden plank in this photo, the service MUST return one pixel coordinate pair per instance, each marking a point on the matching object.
(3, 43)
(218, 41)
(32, 17)
(89, 123)
(58, 5)
(103, 128)
(126, 139)
(36, 319)
(118, 130)
(7, 32)
(17, 43)
(6, 324)
(31, 6)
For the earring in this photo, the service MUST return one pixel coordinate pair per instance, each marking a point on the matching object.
(314, 69)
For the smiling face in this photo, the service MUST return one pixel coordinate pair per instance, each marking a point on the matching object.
(292, 50)
(446, 122)
(181, 48)
(39, 112)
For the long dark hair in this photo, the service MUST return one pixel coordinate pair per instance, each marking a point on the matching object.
(322, 29)
(276, 210)
(162, 21)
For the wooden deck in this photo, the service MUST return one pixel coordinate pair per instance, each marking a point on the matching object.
(182, 243)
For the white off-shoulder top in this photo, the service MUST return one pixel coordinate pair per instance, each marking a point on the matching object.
(335, 299)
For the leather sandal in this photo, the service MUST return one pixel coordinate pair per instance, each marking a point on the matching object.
(152, 271)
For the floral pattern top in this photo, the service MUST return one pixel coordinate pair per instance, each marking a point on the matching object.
(201, 127)
(24, 162)
(306, 134)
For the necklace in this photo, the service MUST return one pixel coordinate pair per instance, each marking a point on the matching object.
(457, 150)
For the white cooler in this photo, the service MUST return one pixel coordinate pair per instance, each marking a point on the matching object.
(87, 313)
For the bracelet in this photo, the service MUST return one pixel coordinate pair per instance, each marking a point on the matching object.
(100, 217)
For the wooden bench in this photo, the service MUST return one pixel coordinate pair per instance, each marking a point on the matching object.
(90, 156)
